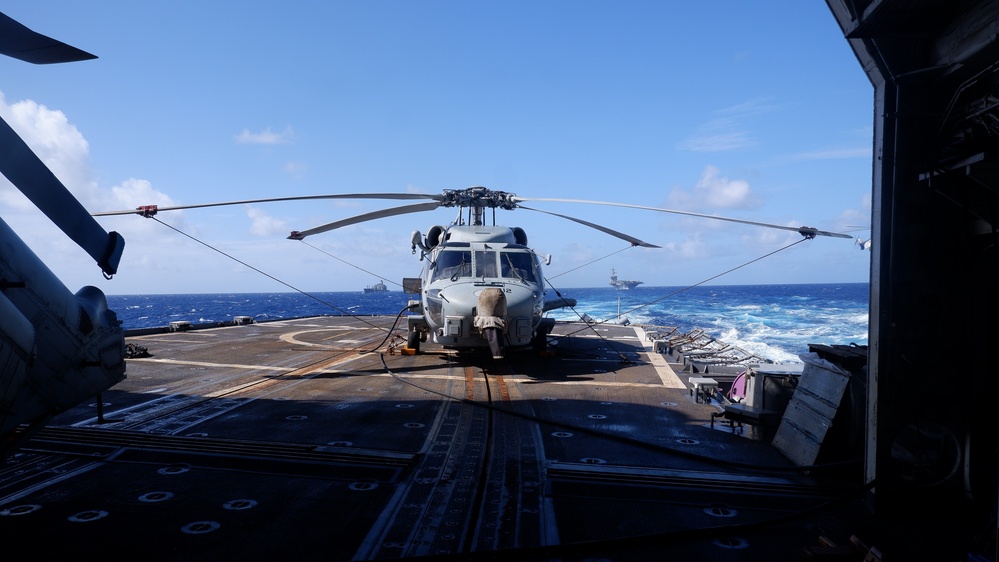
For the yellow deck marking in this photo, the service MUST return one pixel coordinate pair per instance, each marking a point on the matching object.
(666, 374)
(292, 337)
(525, 379)
(207, 364)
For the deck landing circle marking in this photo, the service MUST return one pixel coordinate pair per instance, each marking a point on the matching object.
(292, 337)
(237, 505)
(562, 434)
(733, 543)
(200, 527)
(19, 510)
(153, 497)
(87, 516)
(174, 469)
(720, 511)
(688, 441)
(362, 486)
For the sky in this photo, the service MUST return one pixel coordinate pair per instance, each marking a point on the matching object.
(751, 110)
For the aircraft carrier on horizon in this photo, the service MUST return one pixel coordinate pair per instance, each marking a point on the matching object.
(621, 284)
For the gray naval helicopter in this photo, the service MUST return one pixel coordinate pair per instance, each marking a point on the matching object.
(481, 285)
(57, 348)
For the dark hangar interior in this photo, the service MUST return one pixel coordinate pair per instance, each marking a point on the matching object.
(931, 444)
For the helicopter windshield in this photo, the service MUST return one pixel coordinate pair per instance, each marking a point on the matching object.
(485, 263)
(452, 264)
(518, 265)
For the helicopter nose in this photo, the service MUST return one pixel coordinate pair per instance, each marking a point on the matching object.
(523, 307)
(520, 301)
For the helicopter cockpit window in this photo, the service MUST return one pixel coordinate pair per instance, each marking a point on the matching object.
(518, 265)
(452, 264)
(485, 263)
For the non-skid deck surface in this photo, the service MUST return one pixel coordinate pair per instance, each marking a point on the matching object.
(312, 440)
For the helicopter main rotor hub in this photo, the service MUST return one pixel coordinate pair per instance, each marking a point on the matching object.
(478, 197)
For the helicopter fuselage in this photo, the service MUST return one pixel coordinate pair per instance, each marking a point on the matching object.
(467, 262)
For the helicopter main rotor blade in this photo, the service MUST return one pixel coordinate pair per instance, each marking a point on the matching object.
(150, 210)
(37, 182)
(20, 42)
(806, 231)
(634, 241)
(298, 235)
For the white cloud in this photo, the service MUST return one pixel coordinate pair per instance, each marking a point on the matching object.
(834, 154)
(134, 192)
(263, 224)
(757, 106)
(295, 169)
(65, 151)
(727, 131)
(711, 138)
(693, 246)
(265, 137)
(714, 191)
(856, 220)
(57, 143)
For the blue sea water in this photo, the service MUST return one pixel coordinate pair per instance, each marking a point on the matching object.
(774, 321)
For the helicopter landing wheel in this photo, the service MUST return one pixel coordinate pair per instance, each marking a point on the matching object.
(414, 340)
(539, 344)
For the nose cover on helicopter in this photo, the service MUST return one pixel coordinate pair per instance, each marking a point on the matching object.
(490, 318)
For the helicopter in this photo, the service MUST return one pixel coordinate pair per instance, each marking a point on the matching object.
(58, 348)
(481, 285)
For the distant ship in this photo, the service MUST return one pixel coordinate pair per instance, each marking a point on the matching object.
(620, 284)
(376, 288)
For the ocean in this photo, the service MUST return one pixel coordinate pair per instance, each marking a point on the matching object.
(773, 321)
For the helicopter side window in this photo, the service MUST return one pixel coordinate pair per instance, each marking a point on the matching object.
(452, 265)
(485, 264)
(518, 265)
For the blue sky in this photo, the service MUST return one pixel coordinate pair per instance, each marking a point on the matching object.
(757, 111)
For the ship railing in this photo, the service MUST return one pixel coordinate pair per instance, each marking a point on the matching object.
(685, 338)
(653, 333)
(708, 352)
(704, 342)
